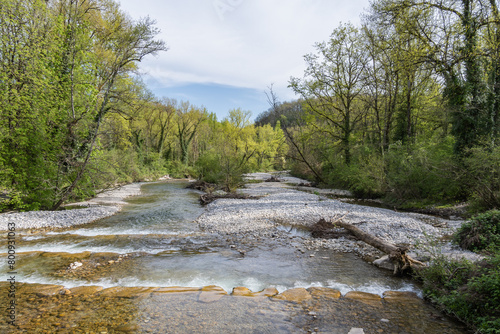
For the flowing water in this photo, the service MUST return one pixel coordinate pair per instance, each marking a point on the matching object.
(164, 247)
(154, 242)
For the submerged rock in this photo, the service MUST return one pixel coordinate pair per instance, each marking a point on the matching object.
(324, 292)
(211, 293)
(297, 295)
(365, 297)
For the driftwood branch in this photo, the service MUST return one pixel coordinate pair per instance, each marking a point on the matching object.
(397, 254)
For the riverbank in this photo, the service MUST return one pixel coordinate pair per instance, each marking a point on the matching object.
(103, 205)
(282, 204)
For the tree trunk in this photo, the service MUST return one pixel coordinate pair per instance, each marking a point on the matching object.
(402, 262)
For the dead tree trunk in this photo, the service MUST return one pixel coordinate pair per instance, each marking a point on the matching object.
(402, 262)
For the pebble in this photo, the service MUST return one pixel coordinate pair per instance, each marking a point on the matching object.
(93, 210)
(281, 204)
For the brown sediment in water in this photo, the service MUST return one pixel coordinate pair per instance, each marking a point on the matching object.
(54, 309)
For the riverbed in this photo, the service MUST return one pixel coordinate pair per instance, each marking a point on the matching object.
(164, 238)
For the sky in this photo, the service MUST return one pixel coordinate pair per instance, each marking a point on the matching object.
(224, 54)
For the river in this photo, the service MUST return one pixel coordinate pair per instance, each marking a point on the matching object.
(154, 242)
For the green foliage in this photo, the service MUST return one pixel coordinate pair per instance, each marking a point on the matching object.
(482, 170)
(469, 291)
(424, 170)
(482, 232)
(366, 177)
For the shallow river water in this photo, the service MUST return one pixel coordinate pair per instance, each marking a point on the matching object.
(154, 242)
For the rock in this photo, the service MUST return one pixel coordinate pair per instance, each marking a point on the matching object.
(385, 263)
(297, 295)
(245, 292)
(86, 290)
(399, 295)
(365, 297)
(175, 289)
(210, 294)
(267, 292)
(42, 289)
(241, 291)
(75, 265)
(356, 331)
(126, 292)
(324, 292)
(402, 298)
(128, 328)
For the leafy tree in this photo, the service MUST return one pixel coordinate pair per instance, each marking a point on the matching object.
(333, 82)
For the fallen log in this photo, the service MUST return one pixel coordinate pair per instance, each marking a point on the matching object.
(397, 254)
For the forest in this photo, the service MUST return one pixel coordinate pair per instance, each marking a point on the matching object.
(403, 107)
(76, 118)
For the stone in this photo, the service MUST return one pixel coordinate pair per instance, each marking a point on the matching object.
(85, 290)
(128, 328)
(211, 293)
(267, 292)
(402, 297)
(241, 291)
(324, 292)
(42, 289)
(175, 289)
(126, 292)
(297, 295)
(384, 262)
(365, 297)
(356, 331)
(245, 292)
(399, 295)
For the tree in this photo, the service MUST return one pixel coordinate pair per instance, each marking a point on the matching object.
(189, 118)
(457, 52)
(117, 43)
(333, 83)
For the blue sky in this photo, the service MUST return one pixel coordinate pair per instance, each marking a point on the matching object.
(223, 54)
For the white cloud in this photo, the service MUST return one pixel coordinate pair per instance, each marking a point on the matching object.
(243, 43)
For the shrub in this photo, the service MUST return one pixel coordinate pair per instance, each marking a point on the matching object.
(468, 291)
(480, 233)
(422, 171)
(482, 169)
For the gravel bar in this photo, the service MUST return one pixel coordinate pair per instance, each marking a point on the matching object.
(104, 205)
(281, 204)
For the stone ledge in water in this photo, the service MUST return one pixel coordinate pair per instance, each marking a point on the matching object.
(324, 292)
(42, 290)
(126, 292)
(245, 292)
(297, 295)
(176, 289)
(211, 293)
(365, 297)
(86, 290)
(403, 297)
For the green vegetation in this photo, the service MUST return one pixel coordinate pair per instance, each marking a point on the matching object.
(75, 118)
(405, 107)
(470, 291)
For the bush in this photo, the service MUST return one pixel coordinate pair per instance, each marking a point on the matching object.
(482, 169)
(422, 171)
(470, 292)
(224, 170)
(367, 176)
(480, 233)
